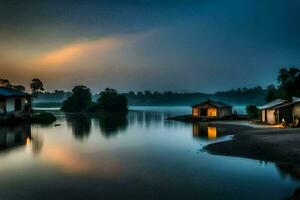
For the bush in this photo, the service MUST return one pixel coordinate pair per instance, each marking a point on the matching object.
(253, 111)
(110, 100)
(43, 118)
(80, 100)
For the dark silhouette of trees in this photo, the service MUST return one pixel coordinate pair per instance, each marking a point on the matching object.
(271, 93)
(289, 85)
(253, 111)
(19, 87)
(36, 85)
(244, 96)
(80, 99)
(4, 83)
(110, 100)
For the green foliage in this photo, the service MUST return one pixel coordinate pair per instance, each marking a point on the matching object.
(36, 85)
(253, 111)
(19, 87)
(110, 100)
(272, 93)
(6, 83)
(240, 96)
(289, 80)
(79, 101)
(289, 85)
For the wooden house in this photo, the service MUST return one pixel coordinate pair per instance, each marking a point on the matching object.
(268, 111)
(289, 112)
(13, 101)
(211, 109)
(277, 111)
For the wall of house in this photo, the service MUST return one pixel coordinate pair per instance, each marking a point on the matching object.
(271, 116)
(296, 110)
(195, 111)
(10, 105)
(223, 112)
(263, 115)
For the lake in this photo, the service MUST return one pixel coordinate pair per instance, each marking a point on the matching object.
(135, 156)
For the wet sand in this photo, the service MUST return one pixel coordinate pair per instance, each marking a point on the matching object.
(268, 144)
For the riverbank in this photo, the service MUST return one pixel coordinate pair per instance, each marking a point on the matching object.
(280, 145)
(191, 118)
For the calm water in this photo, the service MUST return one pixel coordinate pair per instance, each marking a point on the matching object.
(138, 156)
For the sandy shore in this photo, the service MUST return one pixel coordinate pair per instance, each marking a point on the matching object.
(261, 143)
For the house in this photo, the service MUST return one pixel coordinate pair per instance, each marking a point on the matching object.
(211, 109)
(13, 101)
(289, 112)
(268, 111)
(280, 110)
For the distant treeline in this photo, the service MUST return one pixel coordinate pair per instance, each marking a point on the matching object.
(240, 96)
(57, 96)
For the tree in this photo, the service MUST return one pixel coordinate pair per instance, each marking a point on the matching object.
(36, 85)
(271, 93)
(253, 111)
(289, 80)
(80, 99)
(110, 100)
(4, 83)
(19, 87)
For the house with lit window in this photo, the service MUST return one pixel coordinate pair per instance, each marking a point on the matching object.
(13, 101)
(279, 110)
(269, 111)
(211, 109)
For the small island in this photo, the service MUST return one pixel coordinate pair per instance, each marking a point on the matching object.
(81, 101)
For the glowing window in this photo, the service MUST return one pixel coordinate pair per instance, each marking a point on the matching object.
(212, 112)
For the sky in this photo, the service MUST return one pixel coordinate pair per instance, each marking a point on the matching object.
(184, 46)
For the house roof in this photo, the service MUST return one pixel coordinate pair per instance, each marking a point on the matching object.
(294, 100)
(217, 104)
(272, 104)
(10, 92)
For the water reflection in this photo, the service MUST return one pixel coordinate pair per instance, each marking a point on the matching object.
(11, 137)
(290, 170)
(80, 124)
(152, 152)
(110, 124)
(16, 136)
(202, 130)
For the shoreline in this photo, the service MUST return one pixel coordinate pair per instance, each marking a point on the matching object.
(279, 145)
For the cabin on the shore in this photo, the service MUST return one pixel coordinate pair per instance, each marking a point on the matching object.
(211, 109)
(13, 101)
(268, 111)
(278, 111)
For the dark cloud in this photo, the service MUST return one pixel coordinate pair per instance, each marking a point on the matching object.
(196, 45)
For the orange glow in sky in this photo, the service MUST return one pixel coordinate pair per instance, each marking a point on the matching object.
(75, 52)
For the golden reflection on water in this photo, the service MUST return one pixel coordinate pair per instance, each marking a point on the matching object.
(212, 132)
(204, 131)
